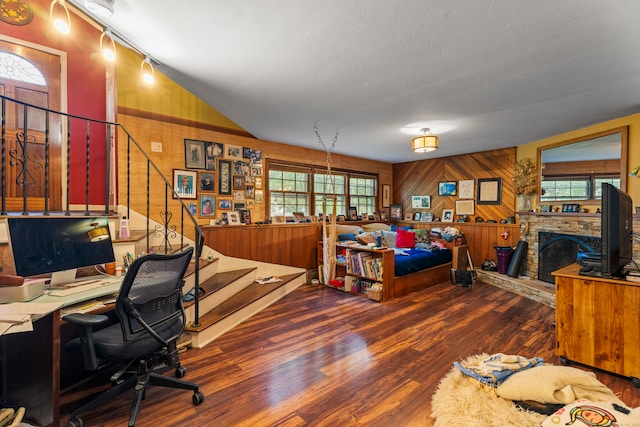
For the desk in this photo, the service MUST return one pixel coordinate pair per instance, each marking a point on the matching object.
(30, 369)
(597, 322)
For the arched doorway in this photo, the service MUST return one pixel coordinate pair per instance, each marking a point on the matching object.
(33, 76)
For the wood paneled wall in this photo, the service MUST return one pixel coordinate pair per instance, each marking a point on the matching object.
(421, 178)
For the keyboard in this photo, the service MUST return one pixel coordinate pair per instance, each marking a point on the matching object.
(77, 289)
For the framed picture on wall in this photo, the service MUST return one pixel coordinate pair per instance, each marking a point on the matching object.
(193, 154)
(489, 191)
(224, 177)
(447, 188)
(184, 183)
(386, 195)
(207, 206)
(465, 207)
(465, 188)
(395, 212)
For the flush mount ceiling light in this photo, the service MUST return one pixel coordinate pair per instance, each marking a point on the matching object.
(98, 234)
(146, 70)
(102, 8)
(108, 46)
(59, 15)
(424, 143)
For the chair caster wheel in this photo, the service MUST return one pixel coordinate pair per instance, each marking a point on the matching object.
(564, 361)
(197, 398)
(635, 381)
(74, 422)
(181, 371)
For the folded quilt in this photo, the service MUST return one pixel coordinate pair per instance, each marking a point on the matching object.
(496, 368)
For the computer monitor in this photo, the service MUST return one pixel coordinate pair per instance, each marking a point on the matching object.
(58, 245)
(617, 230)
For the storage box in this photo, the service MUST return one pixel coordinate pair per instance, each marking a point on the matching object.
(26, 292)
(374, 295)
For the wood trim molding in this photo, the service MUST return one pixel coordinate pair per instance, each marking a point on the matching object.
(182, 122)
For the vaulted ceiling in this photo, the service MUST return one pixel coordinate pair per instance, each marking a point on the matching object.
(480, 74)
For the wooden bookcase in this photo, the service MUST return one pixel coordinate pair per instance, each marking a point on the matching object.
(362, 262)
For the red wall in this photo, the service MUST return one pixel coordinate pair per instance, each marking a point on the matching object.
(86, 93)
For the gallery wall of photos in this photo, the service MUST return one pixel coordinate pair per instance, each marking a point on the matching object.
(219, 181)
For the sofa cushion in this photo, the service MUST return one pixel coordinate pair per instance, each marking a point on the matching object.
(405, 239)
(376, 226)
(389, 238)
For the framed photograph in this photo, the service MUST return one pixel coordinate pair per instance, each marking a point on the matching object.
(396, 212)
(465, 207)
(238, 182)
(465, 188)
(407, 216)
(256, 171)
(299, 217)
(232, 152)
(246, 152)
(255, 158)
(206, 181)
(258, 196)
(193, 154)
(213, 150)
(280, 219)
(249, 192)
(239, 195)
(447, 188)
(372, 217)
(193, 209)
(234, 218)
(353, 213)
(386, 195)
(489, 191)
(241, 168)
(224, 204)
(258, 182)
(207, 206)
(224, 177)
(421, 202)
(341, 218)
(184, 183)
(426, 216)
(238, 205)
(245, 216)
(570, 207)
(447, 215)
(417, 216)
(545, 208)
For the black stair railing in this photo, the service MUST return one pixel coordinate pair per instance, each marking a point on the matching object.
(38, 178)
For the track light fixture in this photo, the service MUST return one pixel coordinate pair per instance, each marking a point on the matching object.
(108, 46)
(59, 15)
(146, 70)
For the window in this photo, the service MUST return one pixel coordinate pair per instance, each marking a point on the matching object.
(575, 187)
(363, 193)
(17, 68)
(298, 188)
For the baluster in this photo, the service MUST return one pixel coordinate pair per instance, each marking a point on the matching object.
(4, 158)
(46, 163)
(86, 168)
(68, 178)
(25, 136)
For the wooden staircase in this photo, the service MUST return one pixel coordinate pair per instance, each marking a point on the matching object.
(229, 293)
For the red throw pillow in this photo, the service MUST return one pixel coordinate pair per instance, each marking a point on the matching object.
(405, 239)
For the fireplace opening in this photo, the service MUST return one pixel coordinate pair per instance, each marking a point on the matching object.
(557, 250)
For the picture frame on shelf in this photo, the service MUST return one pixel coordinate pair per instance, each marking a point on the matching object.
(353, 213)
(447, 215)
(545, 208)
(570, 207)
(194, 154)
(184, 183)
(245, 216)
(299, 217)
(465, 207)
(466, 188)
(417, 216)
(447, 188)
(489, 191)
(234, 218)
(407, 216)
(395, 212)
(426, 216)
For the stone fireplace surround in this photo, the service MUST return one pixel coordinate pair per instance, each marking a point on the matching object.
(577, 224)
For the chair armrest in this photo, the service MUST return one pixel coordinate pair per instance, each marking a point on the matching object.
(81, 319)
(86, 322)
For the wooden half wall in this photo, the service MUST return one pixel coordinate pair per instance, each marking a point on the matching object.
(421, 178)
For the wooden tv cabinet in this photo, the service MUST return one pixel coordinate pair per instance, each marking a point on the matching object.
(597, 322)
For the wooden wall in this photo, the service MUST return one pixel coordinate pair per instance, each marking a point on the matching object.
(146, 128)
(421, 178)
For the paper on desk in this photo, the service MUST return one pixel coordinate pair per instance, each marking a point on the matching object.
(29, 308)
(12, 323)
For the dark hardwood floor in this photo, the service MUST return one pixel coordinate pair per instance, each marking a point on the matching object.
(325, 358)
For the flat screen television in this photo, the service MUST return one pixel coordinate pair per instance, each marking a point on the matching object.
(58, 245)
(617, 229)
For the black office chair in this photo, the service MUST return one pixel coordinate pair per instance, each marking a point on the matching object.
(151, 319)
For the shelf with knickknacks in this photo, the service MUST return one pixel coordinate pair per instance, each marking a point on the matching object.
(525, 180)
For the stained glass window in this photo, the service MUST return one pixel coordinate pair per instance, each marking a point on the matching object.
(16, 68)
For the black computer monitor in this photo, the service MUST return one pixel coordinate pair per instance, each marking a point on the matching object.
(617, 229)
(58, 245)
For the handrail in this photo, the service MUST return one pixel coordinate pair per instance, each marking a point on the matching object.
(28, 161)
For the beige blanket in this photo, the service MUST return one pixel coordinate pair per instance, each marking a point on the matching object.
(556, 384)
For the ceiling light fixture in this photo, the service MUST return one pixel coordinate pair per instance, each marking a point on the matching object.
(424, 143)
(108, 46)
(59, 15)
(146, 70)
(98, 234)
(102, 8)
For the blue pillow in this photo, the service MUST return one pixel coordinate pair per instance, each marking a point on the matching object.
(346, 236)
(405, 228)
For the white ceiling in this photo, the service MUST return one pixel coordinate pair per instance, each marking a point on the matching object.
(495, 73)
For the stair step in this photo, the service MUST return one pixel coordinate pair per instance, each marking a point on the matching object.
(203, 263)
(245, 297)
(218, 281)
(134, 236)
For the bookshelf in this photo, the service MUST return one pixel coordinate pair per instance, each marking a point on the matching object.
(366, 266)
